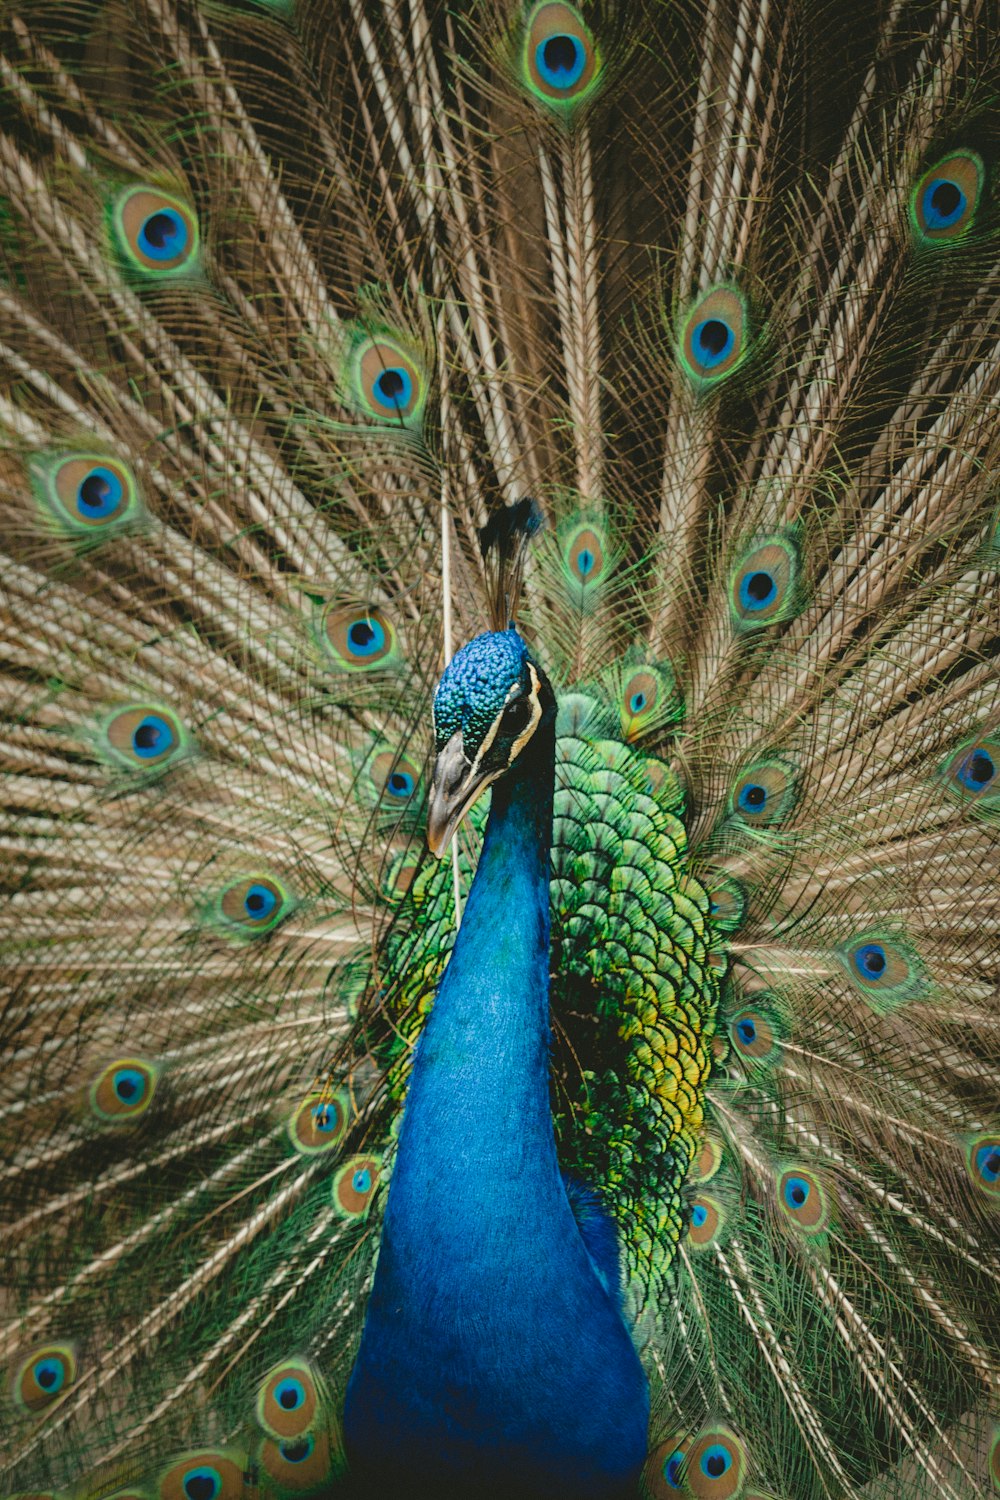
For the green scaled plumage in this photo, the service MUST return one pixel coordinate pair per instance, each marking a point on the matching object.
(293, 296)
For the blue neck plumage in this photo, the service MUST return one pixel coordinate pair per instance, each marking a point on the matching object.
(478, 1126)
(492, 1349)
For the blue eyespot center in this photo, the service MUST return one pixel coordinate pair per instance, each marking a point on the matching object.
(637, 702)
(151, 736)
(393, 389)
(977, 770)
(366, 637)
(757, 590)
(129, 1085)
(50, 1374)
(296, 1451)
(560, 60)
(99, 494)
(164, 235)
(797, 1192)
(400, 784)
(290, 1394)
(672, 1470)
(259, 902)
(202, 1484)
(747, 1030)
(870, 961)
(944, 203)
(698, 1215)
(362, 1180)
(585, 560)
(712, 341)
(988, 1162)
(324, 1117)
(753, 797)
(716, 1461)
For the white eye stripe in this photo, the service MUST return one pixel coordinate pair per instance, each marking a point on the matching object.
(526, 733)
(536, 713)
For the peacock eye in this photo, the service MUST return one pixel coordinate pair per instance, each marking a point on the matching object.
(516, 716)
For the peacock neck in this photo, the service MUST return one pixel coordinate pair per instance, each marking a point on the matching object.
(483, 1062)
(492, 1352)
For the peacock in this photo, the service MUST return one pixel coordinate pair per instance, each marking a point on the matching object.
(501, 748)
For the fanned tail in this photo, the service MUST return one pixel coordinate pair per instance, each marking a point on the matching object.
(292, 301)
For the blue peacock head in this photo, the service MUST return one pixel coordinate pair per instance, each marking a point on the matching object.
(488, 706)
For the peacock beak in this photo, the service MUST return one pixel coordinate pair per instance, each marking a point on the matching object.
(455, 784)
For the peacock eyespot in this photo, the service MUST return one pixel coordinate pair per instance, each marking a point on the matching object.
(320, 1122)
(560, 60)
(163, 235)
(944, 202)
(145, 737)
(983, 1163)
(972, 773)
(393, 389)
(704, 1222)
(585, 555)
(301, 1464)
(765, 794)
(359, 638)
(870, 960)
(988, 1163)
(298, 1450)
(796, 1192)
(152, 736)
(727, 903)
(884, 968)
(89, 496)
(765, 584)
(803, 1201)
(387, 381)
(977, 770)
(640, 696)
(395, 779)
(252, 906)
(290, 1394)
(755, 1035)
(355, 1185)
(206, 1474)
(123, 1090)
(289, 1399)
(716, 1462)
(43, 1376)
(663, 1474)
(155, 233)
(646, 693)
(202, 1484)
(712, 342)
(757, 590)
(708, 1161)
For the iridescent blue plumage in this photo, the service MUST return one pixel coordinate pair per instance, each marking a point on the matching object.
(492, 1344)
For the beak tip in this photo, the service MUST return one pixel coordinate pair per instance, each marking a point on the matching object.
(438, 841)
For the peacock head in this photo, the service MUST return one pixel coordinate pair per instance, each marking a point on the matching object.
(488, 706)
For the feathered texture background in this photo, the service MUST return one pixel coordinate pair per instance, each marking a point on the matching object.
(292, 297)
